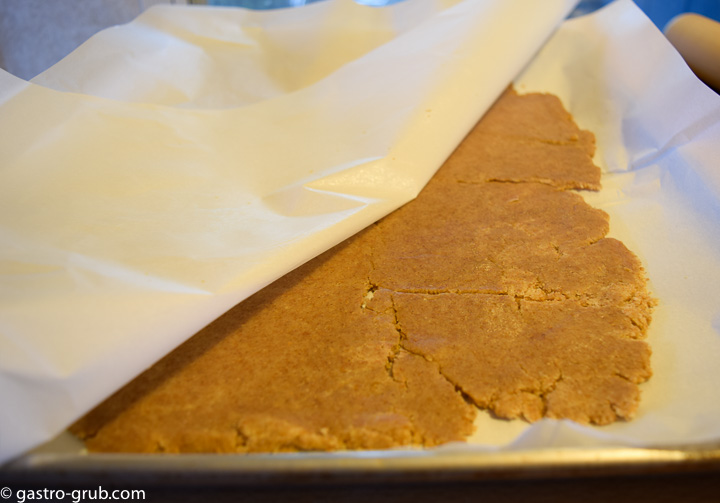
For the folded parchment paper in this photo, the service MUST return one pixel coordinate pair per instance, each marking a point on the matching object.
(173, 166)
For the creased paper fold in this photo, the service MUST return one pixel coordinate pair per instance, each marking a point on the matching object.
(173, 166)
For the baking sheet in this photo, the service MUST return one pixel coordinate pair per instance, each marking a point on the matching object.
(658, 131)
(173, 166)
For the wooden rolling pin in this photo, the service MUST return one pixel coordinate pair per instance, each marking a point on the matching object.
(697, 39)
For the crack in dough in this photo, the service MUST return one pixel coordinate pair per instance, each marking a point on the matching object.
(495, 288)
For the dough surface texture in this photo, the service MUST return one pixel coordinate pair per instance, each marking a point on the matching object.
(496, 288)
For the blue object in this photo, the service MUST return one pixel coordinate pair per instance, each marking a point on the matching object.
(660, 12)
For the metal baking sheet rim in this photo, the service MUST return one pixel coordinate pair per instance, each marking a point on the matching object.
(363, 466)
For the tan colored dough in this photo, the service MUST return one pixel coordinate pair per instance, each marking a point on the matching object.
(495, 288)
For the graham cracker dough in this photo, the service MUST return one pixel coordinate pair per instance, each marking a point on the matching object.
(495, 288)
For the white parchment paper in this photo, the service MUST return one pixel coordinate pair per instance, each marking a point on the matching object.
(658, 134)
(171, 167)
